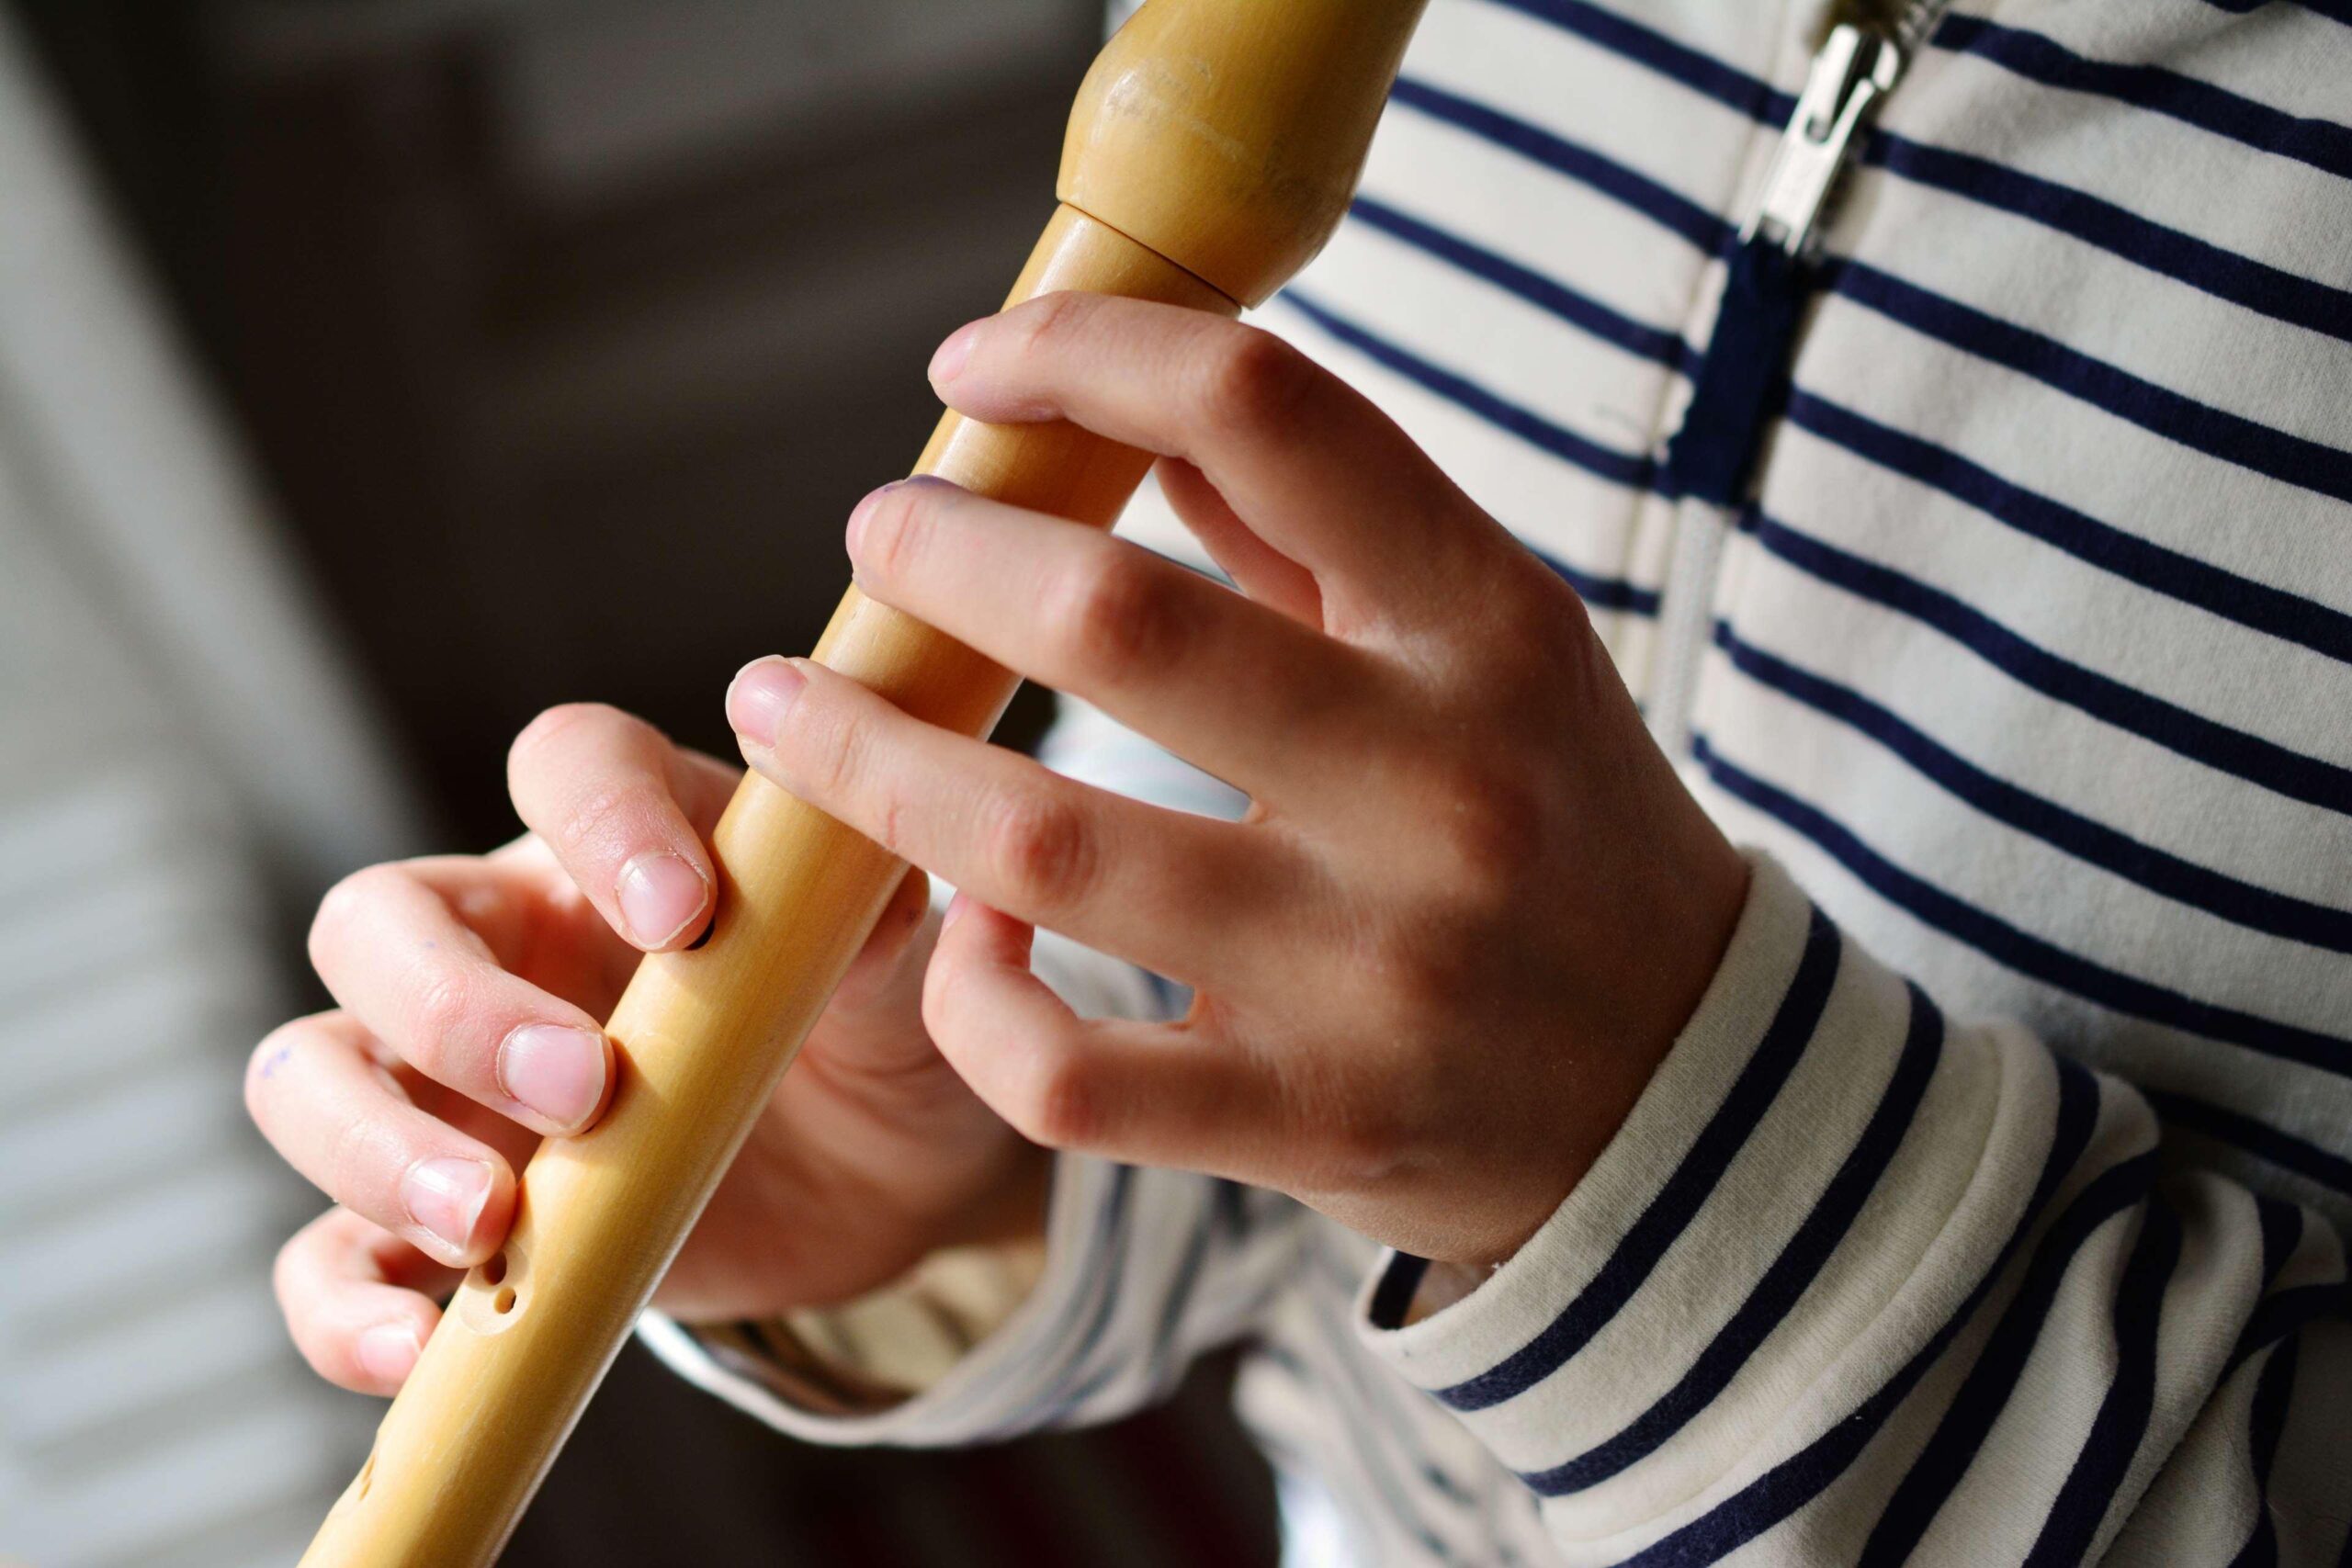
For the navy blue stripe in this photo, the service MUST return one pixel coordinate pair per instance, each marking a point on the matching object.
(1633, 471)
(1579, 311)
(1399, 1283)
(1793, 1272)
(2258, 285)
(1661, 204)
(2176, 728)
(2122, 1424)
(2284, 1312)
(2159, 871)
(2320, 143)
(1602, 592)
(2258, 1138)
(1938, 1468)
(1797, 1479)
(2255, 606)
(1061, 1394)
(2233, 438)
(2333, 10)
(1638, 472)
(1694, 1181)
(2282, 1231)
(2028, 955)
(1677, 61)
(2273, 1391)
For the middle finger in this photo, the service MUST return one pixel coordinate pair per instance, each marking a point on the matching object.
(1178, 894)
(1162, 649)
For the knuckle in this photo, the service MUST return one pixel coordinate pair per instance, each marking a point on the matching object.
(356, 1161)
(1043, 851)
(1058, 1104)
(1254, 382)
(850, 781)
(1345, 1139)
(444, 1012)
(604, 820)
(267, 1060)
(1046, 321)
(286, 1269)
(341, 909)
(892, 541)
(1493, 824)
(1499, 829)
(550, 726)
(819, 753)
(1120, 617)
(1423, 971)
(1365, 1146)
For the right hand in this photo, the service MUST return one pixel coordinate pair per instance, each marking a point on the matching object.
(471, 991)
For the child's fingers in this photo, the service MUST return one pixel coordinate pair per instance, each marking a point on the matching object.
(880, 972)
(1234, 687)
(1316, 471)
(618, 804)
(355, 1300)
(1153, 1094)
(1174, 892)
(391, 947)
(323, 1103)
(1256, 567)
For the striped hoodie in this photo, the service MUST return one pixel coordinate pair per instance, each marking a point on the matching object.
(1992, 1206)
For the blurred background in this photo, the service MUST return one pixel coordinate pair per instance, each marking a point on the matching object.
(374, 374)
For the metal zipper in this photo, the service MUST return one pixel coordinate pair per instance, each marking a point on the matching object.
(1711, 458)
(1857, 64)
(1853, 71)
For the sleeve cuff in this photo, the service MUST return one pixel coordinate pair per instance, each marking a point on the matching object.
(1733, 1239)
(976, 1347)
(957, 1352)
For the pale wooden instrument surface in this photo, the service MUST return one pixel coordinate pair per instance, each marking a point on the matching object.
(1213, 149)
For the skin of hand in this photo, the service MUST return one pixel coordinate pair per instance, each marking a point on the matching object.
(1471, 904)
(469, 990)
(1433, 966)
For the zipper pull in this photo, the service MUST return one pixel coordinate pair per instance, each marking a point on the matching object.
(1851, 73)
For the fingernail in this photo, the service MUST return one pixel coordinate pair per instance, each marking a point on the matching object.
(949, 359)
(557, 1071)
(446, 1196)
(388, 1350)
(955, 908)
(660, 896)
(862, 514)
(763, 691)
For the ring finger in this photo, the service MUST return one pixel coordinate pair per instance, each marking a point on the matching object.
(356, 1299)
(337, 1117)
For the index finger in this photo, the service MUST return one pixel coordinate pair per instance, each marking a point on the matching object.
(1308, 461)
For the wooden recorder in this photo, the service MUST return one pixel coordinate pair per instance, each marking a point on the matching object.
(1213, 147)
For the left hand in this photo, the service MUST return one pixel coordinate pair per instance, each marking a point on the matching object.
(1471, 904)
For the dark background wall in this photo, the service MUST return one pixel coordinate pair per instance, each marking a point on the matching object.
(565, 336)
